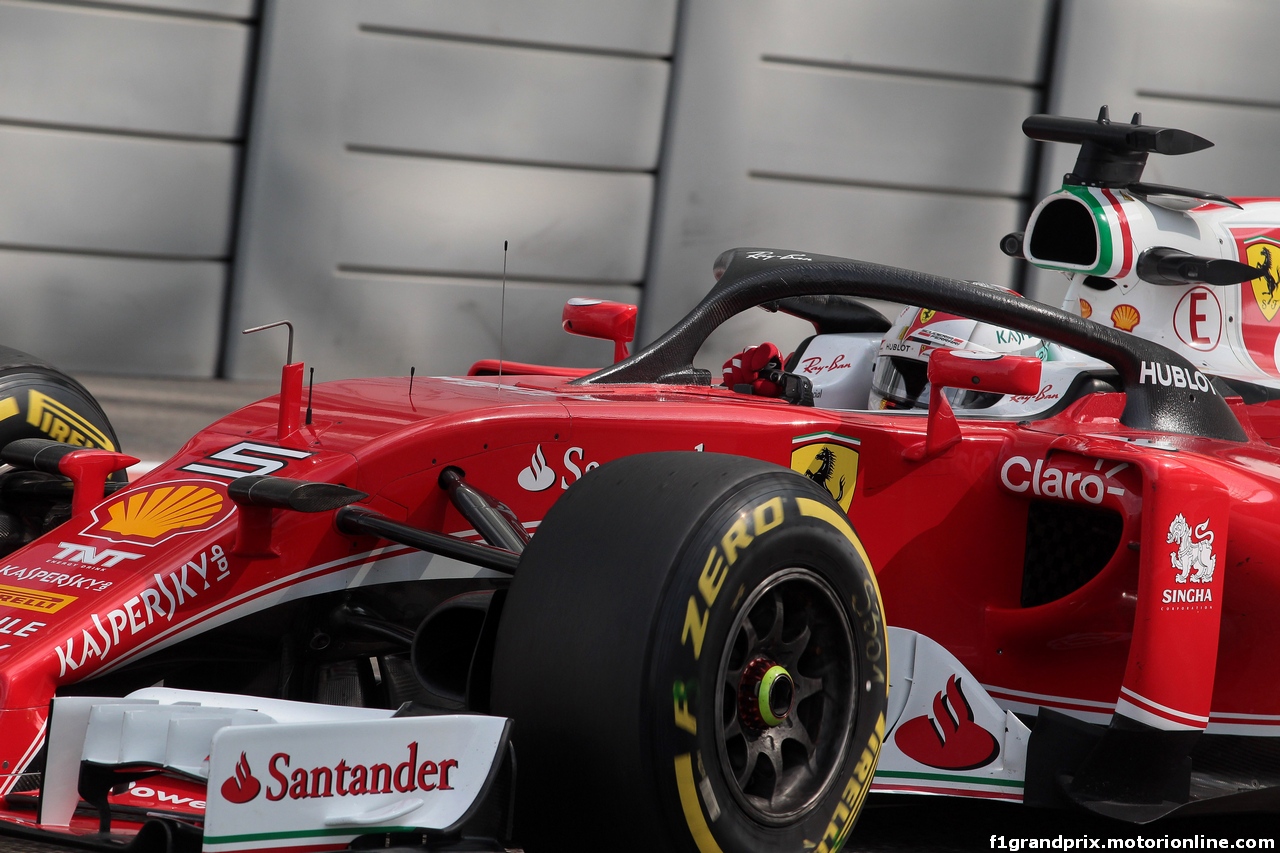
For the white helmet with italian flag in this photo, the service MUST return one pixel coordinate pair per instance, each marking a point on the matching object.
(899, 376)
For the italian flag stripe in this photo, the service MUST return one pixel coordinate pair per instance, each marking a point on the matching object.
(1106, 240)
(345, 832)
(947, 777)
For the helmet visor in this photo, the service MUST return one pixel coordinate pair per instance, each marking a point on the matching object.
(901, 383)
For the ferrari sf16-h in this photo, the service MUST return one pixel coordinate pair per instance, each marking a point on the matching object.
(993, 549)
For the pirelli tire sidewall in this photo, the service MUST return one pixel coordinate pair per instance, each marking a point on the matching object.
(37, 400)
(772, 526)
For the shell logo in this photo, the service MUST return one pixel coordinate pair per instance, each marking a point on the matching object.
(1086, 310)
(150, 516)
(154, 513)
(1125, 318)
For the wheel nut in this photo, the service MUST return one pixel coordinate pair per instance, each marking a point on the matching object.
(765, 694)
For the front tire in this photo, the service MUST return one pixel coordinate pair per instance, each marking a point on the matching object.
(37, 400)
(693, 651)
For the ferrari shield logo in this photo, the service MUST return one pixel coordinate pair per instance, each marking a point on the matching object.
(1265, 257)
(1260, 249)
(829, 460)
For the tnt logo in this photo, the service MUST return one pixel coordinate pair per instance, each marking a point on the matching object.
(90, 556)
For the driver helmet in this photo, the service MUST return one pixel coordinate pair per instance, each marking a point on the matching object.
(899, 378)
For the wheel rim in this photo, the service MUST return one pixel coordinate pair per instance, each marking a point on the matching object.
(787, 698)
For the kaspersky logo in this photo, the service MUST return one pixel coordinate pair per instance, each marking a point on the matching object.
(339, 780)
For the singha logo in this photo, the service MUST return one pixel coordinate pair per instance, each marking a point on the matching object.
(1193, 552)
(242, 787)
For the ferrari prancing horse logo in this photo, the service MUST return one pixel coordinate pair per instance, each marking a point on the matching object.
(1265, 256)
(829, 460)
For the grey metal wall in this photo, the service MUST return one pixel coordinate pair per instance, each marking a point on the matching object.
(619, 145)
(399, 143)
(120, 133)
(885, 130)
(1205, 67)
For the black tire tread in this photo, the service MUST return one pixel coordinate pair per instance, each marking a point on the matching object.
(599, 544)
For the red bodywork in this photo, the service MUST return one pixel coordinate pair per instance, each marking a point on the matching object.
(946, 535)
(172, 556)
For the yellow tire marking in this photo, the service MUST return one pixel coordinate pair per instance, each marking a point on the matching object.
(692, 807)
(866, 785)
(817, 509)
(8, 408)
(43, 412)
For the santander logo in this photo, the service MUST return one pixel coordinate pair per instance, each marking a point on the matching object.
(340, 780)
(538, 476)
(242, 787)
(949, 739)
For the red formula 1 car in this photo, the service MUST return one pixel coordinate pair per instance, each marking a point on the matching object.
(635, 609)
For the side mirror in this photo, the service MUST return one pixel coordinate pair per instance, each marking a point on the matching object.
(993, 372)
(595, 318)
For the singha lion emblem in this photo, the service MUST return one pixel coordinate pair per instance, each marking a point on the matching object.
(1197, 554)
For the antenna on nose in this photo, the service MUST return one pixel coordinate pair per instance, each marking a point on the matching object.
(290, 384)
(502, 311)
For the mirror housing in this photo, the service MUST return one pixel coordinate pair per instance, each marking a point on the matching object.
(992, 372)
(596, 318)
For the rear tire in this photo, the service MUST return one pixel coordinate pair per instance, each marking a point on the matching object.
(693, 652)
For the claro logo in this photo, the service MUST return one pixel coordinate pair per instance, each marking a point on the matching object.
(340, 780)
(1018, 474)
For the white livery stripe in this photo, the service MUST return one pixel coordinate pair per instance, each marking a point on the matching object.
(1255, 719)
(1050, 701)
(1125, 708)
(825, 436)
(7, 782)
(1171, 713)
